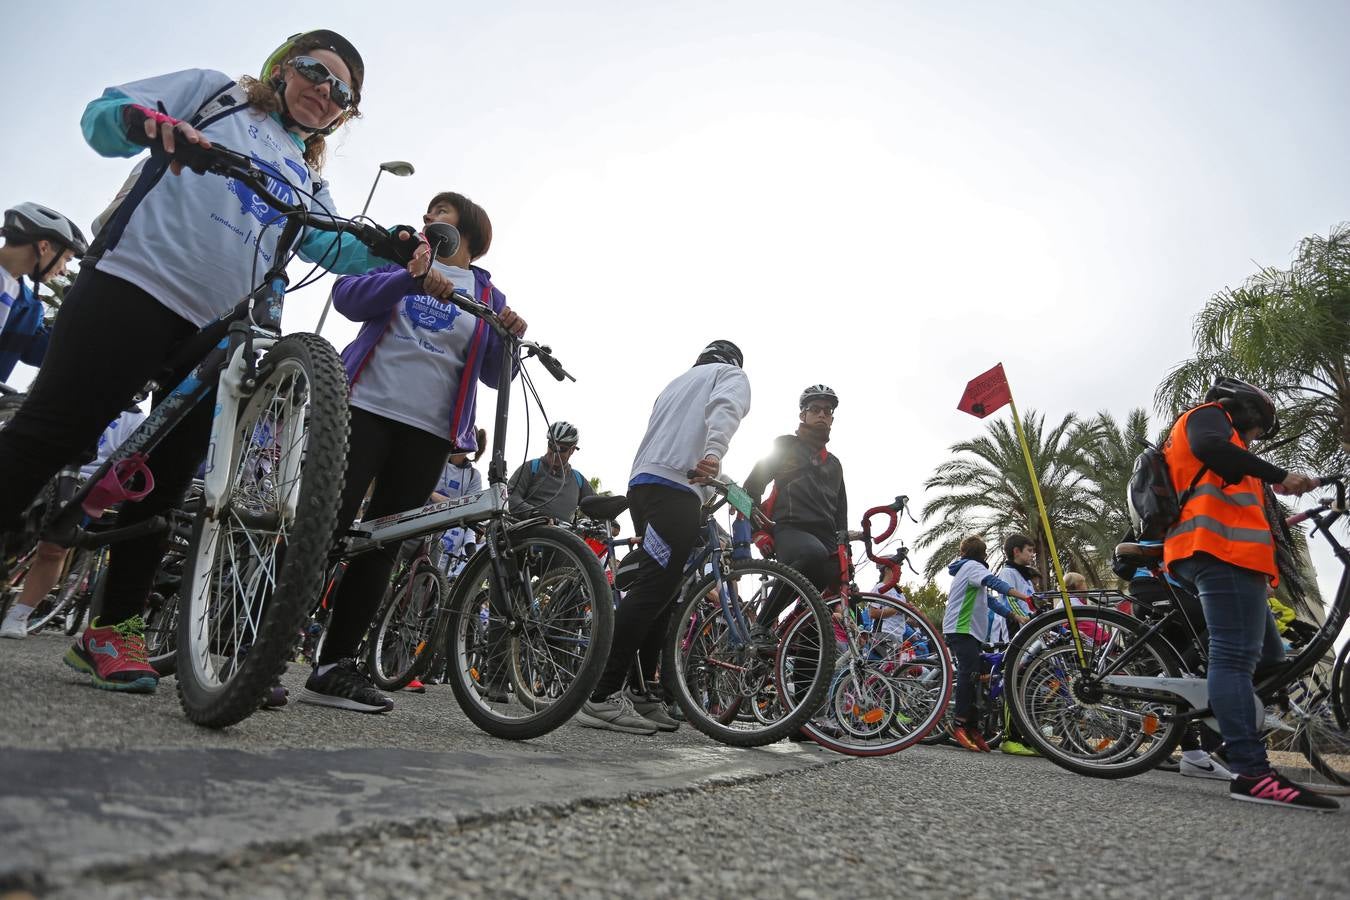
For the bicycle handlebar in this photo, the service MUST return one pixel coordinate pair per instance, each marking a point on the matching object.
(219, 160)
(892, 511)
(1325, 505)
(724, 486)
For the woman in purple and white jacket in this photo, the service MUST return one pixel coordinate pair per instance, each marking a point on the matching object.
(413, 370)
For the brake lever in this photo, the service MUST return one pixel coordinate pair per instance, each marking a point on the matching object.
(546, 358)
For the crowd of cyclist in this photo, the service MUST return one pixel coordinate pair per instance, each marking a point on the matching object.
(174, 252)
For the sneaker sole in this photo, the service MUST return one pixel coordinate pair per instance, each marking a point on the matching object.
(661, 725)
(144, 685)
(317, 699)
(585, 720)
(1319, 809)
(1201, 773)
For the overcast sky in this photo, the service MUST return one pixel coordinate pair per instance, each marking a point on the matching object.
(886, 197)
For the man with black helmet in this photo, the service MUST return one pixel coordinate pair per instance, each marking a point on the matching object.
(1221, 548)
(690, 429)
(809, 504)
(39, 243)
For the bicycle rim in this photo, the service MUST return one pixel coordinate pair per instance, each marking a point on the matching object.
(405, 635)
(1311, 744)
(893, 691)
(748, 693)
(1056, 710)
(522, 674)
(254, 567)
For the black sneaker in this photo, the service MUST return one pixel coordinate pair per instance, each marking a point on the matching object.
(1276, 790)
(344, 687)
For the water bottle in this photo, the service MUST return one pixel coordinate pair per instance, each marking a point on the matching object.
(740, 538)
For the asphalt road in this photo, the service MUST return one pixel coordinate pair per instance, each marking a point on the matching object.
(307, 802)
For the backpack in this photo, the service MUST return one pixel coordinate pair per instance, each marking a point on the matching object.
(581, 480)
(1153, 502)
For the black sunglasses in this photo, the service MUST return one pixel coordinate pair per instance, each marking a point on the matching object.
(310, 69)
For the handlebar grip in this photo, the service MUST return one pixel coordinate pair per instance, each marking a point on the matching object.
(553, 366)
(397, 245)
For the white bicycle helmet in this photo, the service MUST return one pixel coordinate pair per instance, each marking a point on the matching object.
(30, 222)
(560, 433)
(818, 392)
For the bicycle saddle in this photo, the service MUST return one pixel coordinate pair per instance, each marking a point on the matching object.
(1140, 551)
(605, 508)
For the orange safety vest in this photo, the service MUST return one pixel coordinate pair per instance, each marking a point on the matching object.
(1227, 521)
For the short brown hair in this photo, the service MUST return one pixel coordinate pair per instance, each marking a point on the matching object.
(973, 546)
(474, 225)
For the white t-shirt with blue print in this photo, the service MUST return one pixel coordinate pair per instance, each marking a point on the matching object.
(9, 294)
(190, 240)
(412, 374)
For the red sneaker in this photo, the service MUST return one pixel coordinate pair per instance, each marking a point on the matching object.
(416, 686)
(980, 743)
(964, 738)
(114, 656)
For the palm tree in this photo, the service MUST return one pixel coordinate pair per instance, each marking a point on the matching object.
(986, 490)
(1288, 331)
(1108, 461)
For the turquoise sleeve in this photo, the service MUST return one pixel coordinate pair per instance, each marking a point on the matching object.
(102, 125)
(340, 253)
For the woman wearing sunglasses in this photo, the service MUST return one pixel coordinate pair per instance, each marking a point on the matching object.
(177, 251)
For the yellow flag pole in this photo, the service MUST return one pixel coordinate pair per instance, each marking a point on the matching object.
(1049, 535)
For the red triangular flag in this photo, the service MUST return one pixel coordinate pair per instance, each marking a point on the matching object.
(985, 393)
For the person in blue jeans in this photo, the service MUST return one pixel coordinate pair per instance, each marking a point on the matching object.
(1222, 549)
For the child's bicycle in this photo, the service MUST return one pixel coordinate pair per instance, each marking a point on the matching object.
(893, 677)
(1111, 697)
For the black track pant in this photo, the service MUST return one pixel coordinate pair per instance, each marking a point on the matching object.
(966, 654)
(667, 520)
(405, 463)
(110, 338)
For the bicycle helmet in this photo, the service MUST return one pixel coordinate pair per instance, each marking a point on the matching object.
(722, 352)
(560, 433)
(818, 392)
(1248, 404)
(320, 39)
(31, 222)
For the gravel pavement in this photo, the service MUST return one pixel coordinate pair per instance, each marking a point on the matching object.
(928, 821)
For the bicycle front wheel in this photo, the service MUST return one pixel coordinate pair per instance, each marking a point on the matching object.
(753, 671)
(524, 654)
(1065, 710)
(405, 630)
(1313, 726)
(891, 692)
(255, 565)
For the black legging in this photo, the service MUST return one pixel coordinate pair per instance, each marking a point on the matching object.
(109, 340)
(405, 463)
(667, 520)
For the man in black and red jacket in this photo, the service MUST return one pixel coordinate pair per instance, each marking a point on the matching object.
(808, 503)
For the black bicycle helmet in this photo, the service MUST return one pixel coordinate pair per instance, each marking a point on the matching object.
(1248, 404)
(818, 392)
(722, 352)
(560, 433)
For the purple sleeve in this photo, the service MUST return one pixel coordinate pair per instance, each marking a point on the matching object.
(493, 350)
(371, 295)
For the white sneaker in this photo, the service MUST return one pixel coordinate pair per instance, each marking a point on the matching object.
(615, 713)
(16, 629)
(1208, 768)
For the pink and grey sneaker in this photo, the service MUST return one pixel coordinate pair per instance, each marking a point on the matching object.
(114, 656)
(1276, 790)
